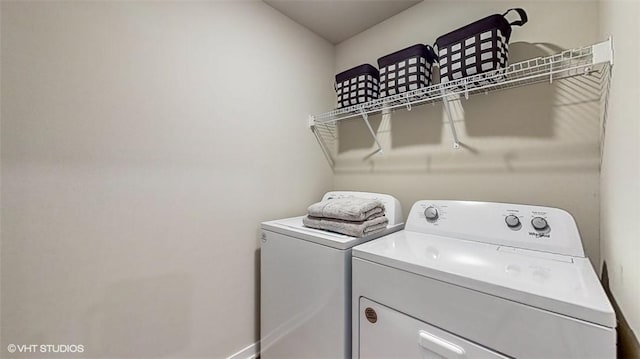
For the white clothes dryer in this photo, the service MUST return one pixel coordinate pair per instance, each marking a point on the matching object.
(480, 280)
(305, 296)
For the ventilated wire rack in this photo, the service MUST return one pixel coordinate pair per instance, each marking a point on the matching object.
(569, 63)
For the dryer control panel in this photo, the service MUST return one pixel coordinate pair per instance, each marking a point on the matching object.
(537, 228)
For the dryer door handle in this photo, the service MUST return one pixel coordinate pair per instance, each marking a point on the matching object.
(440, 346)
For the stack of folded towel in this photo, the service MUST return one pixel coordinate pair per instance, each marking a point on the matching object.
(352, 216)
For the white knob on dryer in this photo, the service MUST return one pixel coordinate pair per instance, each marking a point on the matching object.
(431, 213)
(539, 223)
(512, 221)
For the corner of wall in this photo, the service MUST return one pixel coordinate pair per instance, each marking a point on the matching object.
(620, 174)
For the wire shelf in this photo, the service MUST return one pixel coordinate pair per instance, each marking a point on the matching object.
(566, 64)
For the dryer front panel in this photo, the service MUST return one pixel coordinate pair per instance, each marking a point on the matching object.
(505, 326)
(387, 333)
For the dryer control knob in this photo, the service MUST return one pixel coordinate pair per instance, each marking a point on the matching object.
(512, 221)
(539, 223)
(431, 213)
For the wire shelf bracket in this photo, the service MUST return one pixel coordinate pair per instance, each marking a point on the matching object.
(365, 117)
(447, 108)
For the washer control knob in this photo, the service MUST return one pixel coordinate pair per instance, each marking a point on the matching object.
(512, 221)
(539, 223)
(431, 213)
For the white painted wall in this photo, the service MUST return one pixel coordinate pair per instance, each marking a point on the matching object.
(538, 144)
(135, 170)
(620, 182)
(142, 145)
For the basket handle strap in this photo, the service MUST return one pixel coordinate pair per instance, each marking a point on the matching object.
(523, 16)
(432, 52)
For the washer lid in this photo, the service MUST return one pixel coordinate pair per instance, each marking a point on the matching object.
(557, 283)
(293, 227)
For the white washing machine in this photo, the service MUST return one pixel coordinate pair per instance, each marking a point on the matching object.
(305, 297)
(480, 280)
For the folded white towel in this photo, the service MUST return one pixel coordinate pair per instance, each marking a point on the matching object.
(350, 228)
(348, 208)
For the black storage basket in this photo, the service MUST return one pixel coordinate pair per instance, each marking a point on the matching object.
(480, 47)
(357, 85)
(406, 70)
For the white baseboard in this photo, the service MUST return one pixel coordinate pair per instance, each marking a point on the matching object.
(249, 352)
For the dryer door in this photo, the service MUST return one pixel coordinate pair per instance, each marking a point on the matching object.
(387, 333)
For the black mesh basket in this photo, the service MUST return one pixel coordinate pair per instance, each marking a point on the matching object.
(406, 70)
(357, 85)
(480, 47)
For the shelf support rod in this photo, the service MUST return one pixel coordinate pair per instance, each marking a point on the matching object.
(454, 134)
(321, 142)
(365, 117)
